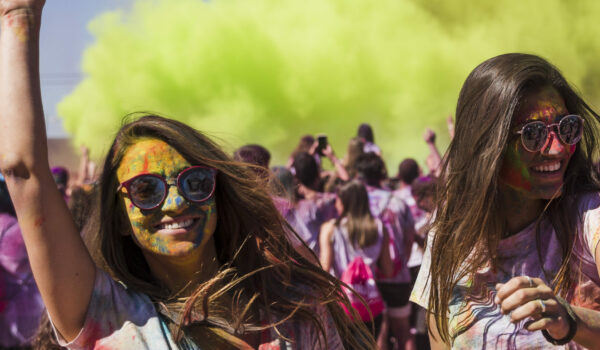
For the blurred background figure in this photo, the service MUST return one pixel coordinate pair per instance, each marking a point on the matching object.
(365, 133)
(61, 177)
(399, 222)
(357, 244)
(20, 302)
(256, 155)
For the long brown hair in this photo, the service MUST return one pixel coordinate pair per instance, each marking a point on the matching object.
(261, 270)
(467, 223)
(362, 228)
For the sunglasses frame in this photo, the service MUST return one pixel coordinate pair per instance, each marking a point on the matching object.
(167, 183)
(548, 127)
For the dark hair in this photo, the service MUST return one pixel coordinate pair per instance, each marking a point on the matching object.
(253, 154)
(60, 175)
(362, 229)
(408, 170)
(6, 205)
(371, 169)
(283, 184)
(366, 132)
(304, 145)
(260, 266)
(307, 169)
(423, 186)
(467, 223)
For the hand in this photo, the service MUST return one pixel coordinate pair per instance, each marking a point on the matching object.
(530, 298)
(7, 6)
(328, 152)
(313, 148)
(429, 136)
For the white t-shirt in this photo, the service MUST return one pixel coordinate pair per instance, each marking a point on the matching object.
(476, 322)
(119, 318)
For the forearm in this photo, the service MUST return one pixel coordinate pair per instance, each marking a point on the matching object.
(341, 172)
(22, 129)
(588, 327)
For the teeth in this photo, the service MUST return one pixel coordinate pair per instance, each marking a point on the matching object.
(176, 225)
(547, 167)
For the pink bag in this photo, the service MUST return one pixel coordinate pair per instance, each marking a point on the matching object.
(359, 277)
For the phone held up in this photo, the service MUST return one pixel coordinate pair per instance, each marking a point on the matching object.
(321, 143)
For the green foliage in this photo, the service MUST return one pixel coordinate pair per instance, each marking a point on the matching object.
(269, 71)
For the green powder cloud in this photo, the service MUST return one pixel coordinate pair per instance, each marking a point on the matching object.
(269, 71)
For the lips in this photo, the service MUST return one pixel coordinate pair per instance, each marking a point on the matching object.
(177, 225)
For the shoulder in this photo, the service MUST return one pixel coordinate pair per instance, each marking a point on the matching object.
(115, 314)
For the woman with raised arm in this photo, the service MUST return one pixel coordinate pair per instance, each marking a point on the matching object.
(513, 257)
(187, 250)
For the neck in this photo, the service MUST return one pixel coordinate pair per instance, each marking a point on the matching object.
(184, 274)
(519, 211)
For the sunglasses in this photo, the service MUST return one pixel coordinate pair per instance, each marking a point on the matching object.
(534, 135)
(148, 191)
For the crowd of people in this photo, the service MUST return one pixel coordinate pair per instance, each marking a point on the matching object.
(176, 244)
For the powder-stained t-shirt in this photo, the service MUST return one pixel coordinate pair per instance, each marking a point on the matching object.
(119, 318)
(475, 321)
(310, 214)
(398, 222)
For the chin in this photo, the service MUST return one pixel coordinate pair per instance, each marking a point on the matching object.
(548, 194)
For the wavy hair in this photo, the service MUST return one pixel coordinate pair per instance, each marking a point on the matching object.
(261, 271)
(362, 228)
(467, 223)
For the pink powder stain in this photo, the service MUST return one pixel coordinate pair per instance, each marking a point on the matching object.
(39, 222)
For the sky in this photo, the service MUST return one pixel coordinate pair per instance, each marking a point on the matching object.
(63, 40)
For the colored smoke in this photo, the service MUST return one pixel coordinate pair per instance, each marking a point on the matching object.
(269, 71)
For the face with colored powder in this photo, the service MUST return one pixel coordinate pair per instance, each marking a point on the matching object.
(177, 227)
(537, 175)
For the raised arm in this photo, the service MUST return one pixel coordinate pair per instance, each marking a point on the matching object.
(60, 262)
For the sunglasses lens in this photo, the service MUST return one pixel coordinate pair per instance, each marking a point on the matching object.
(570, 129)
(146, 192)
(534, 136)
(197, 184)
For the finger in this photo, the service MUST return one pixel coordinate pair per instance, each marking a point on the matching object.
(541, 323)
(523, 296)
(534, 308)
(513, 285)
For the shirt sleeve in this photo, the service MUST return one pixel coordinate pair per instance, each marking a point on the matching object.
(420, 292)
(113, 312)
(591, 227)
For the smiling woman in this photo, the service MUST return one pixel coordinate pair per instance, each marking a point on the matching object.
(186, 248)
(517, 217)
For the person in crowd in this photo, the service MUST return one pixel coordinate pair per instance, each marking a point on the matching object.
(187, 250)
(313, 208)
(512, 259)
(399, 221)
(355, 149)
(434, 159)
(61, 178)
(256, 155)
(308, 144)
(365, 133)
(423, 193)
(355, 234)
(20, 302)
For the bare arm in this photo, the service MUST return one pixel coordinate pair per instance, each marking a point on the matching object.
(325, 245)
(339, 167)
(385, 259)
(434, 337)
(60, 262)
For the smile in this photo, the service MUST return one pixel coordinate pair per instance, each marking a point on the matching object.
(177, 225)
(545, 168)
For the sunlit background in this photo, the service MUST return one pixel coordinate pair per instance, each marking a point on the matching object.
(270, 71)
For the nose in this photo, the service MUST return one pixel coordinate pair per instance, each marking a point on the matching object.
(174, 203)
(554, 145)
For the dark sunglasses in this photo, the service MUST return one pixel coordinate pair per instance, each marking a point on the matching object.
(534, 135)
(148, 191)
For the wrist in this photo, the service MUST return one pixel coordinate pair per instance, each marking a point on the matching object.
(572, 324)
